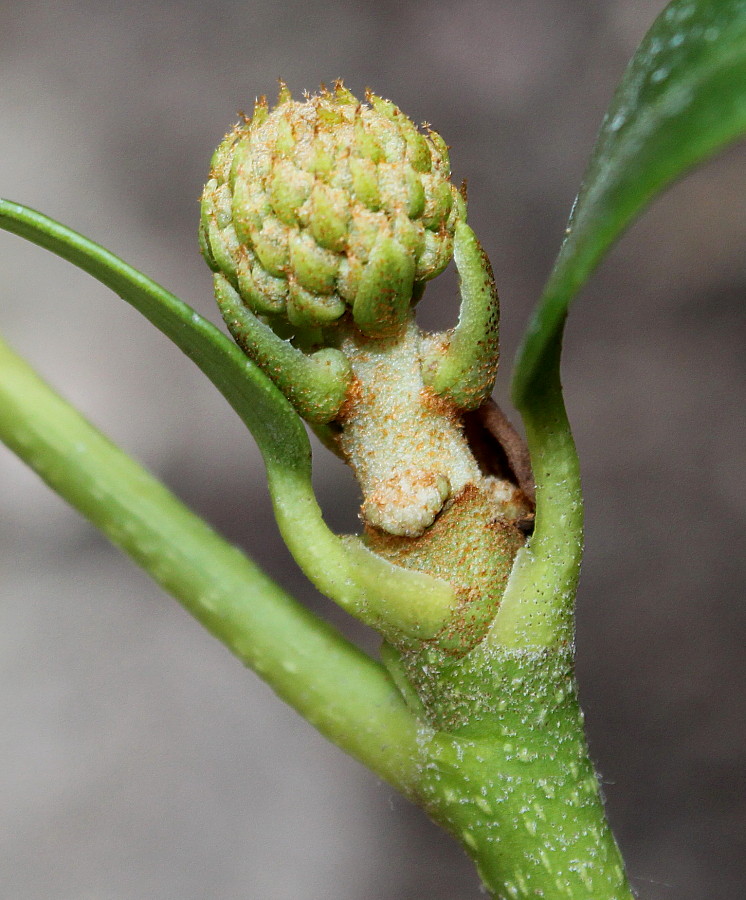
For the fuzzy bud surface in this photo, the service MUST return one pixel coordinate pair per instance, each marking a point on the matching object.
(328, 206)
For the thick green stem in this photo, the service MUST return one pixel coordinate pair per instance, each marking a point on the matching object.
(515, 784)
(509, 773)
(346, 695)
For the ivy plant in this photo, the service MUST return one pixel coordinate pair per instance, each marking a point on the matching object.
(323, 221)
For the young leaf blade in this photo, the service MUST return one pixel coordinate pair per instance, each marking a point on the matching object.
(682, 98)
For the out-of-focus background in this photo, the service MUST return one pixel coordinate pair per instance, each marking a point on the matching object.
(137, 758)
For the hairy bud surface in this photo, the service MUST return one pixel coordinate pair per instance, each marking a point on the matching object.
(330, 205)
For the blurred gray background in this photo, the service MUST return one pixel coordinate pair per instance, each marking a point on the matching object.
(138, 759)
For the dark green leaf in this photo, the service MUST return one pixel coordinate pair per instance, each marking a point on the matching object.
(682, 97)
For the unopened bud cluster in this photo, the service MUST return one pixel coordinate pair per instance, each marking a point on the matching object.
(330, 205)
(322, 221)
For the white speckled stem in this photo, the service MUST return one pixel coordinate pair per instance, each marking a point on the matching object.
(515, 784)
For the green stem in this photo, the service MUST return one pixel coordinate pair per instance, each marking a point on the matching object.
(516, 787)
(513, 781)
(346, 695)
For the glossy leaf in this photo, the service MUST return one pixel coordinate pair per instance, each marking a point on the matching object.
(682, 97)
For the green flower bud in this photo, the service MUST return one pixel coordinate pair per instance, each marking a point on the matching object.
(327, 208)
